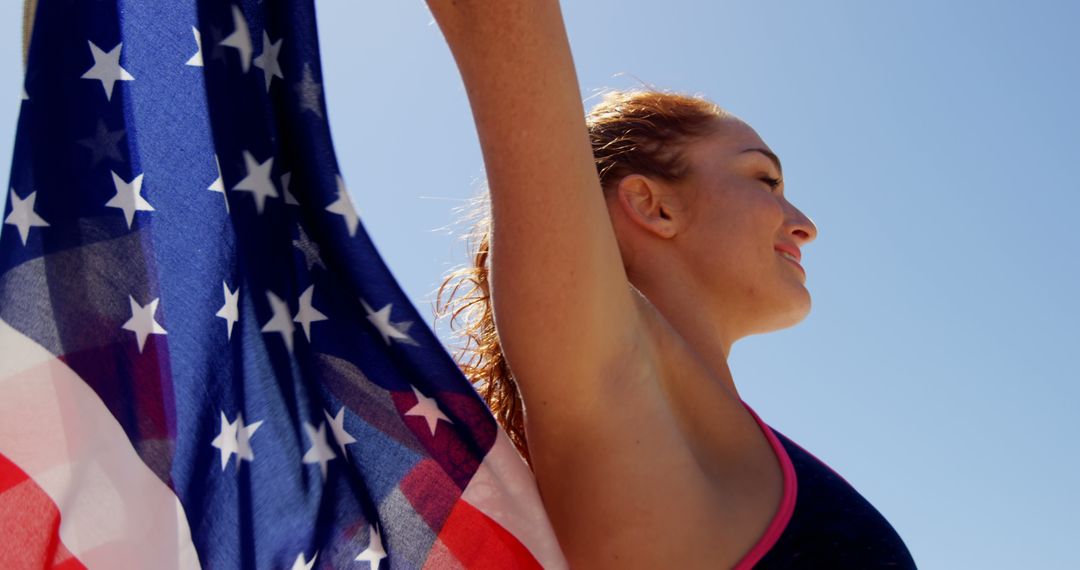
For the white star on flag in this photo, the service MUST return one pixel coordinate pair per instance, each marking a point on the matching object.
(375, 551)
(280, 322)
(310, 92)
(257, 180)
(226, 441)
(388, 330)
(218, 185)
(343, 206)
(320, 451)
(104, 144)
(268, 60)
(129, 197)
(301, 564)
(308, 314)
(337, 425)
(428, 409)
(308, 248)
(286, 183)
(196, 60)
(23, 216)
(142, 321)
(235, 437)
(230, 312)
(240, 39)
(243, 438)
(107, 68)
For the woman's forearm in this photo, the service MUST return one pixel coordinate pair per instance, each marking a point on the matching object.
(514, 58)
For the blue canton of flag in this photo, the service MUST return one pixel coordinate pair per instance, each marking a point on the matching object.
(203, 360)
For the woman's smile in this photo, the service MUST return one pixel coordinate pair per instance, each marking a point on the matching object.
(792, 258)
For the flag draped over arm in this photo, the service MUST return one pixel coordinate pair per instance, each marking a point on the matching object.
(203, 360)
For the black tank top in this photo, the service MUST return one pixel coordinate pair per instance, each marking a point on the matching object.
(822, 522)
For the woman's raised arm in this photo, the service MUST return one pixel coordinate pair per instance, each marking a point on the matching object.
(562, 303)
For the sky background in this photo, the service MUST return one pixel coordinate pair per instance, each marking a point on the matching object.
(934, 144)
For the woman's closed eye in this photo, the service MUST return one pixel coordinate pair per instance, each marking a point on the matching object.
(773, 183)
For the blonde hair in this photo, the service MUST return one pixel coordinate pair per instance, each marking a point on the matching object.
(632, 132)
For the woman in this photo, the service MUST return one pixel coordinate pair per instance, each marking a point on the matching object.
(618, 283)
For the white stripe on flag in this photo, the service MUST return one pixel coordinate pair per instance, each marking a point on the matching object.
(114, 512)
(504, 489)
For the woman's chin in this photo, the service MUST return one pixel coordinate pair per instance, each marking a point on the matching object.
(791, 311)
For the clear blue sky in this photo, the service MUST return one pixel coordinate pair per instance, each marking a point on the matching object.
(933, 143)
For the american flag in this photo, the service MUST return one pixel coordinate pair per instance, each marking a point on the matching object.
(203, 360)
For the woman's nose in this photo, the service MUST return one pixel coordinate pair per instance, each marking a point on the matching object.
(802, 226)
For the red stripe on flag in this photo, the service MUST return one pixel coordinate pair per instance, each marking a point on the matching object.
(431, 492)
(30, 523)
(481, 543)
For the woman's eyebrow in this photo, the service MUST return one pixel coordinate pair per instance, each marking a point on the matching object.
(772, 156)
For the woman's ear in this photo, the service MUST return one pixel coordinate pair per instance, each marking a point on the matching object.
(648, 204)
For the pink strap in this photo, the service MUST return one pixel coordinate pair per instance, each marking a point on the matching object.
(787, 502)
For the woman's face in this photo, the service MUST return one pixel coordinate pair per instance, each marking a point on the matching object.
(739, 226)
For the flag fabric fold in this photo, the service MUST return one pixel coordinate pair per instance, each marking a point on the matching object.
(204, 362)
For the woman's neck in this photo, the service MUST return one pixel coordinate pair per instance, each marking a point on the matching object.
(706, 335)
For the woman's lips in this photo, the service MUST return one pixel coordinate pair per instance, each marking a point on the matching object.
(789, 257)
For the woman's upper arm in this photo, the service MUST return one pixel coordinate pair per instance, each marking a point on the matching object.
(562, 303)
